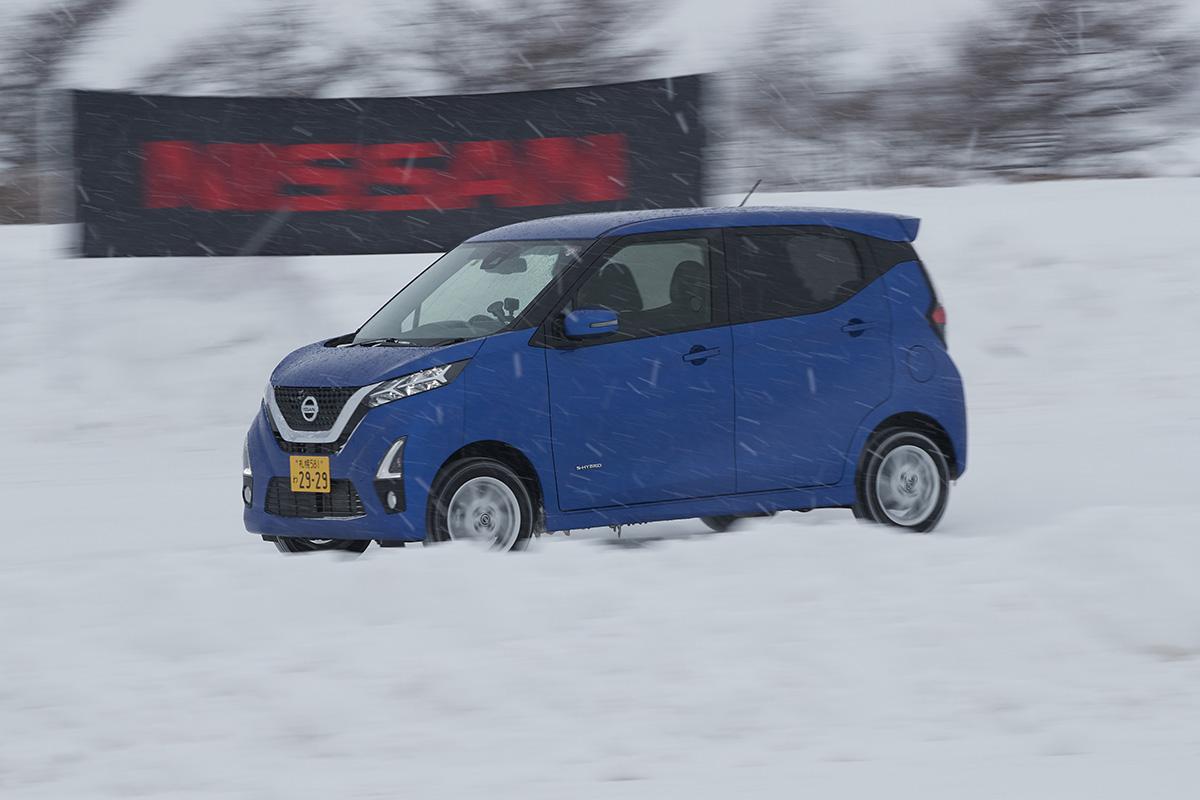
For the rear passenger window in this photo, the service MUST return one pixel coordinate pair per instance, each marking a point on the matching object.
(785, 275)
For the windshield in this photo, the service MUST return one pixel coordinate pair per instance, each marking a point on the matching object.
(474, 290)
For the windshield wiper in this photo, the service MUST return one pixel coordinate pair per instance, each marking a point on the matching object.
(391, 341)
(386, 341)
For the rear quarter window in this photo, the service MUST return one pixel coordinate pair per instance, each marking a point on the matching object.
(789, 274)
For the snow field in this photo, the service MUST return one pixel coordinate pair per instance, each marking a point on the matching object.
(1045, 642)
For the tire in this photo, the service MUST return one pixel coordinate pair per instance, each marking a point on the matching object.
(482, 501)
(722, 523)
(903, 481)
(290, 544)
(728, 522)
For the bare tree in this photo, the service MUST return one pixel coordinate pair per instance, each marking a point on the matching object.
(37, 46)
(1035, 88)
(454, 46)
(1055, 87)
(800, 122)
(512, 45)
(272, 52)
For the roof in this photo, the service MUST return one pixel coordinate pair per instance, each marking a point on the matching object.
(893, 227)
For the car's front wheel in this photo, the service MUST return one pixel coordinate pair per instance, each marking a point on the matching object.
(290, 544)
(483, 502)
(904, 481)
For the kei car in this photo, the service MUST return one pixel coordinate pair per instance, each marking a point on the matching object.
(608, 369)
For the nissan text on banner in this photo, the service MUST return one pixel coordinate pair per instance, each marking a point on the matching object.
(214, 176)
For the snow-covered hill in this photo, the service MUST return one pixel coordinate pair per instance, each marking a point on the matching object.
(1044, 643)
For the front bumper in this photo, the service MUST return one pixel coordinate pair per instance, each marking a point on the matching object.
(358, 509)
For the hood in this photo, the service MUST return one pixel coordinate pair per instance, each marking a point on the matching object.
(318, 365)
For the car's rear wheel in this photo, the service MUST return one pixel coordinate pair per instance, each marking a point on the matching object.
(722, 523)
(728, 522)
(904, 481)
(290, 544)
(483, 502)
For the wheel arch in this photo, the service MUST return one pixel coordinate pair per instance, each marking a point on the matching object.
(506, 454)
(920, 423)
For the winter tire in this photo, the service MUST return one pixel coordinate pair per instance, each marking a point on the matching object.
(290, 544)
(903, 481)
(722, 523)
(481, 501)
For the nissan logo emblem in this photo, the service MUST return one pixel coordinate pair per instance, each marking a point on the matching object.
(309, 409)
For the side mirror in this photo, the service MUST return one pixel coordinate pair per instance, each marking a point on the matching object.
(588, 323)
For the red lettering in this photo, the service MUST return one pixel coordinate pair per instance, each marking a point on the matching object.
(252, 175)
(319, 177)
(167, 174)
(218, 185)
(546, 170)
(215, 177)
(384, 177)
(561, 170)
(390, 166)
(481, 169)
(601, 168)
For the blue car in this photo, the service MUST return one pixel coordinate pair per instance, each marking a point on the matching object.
(609, 369)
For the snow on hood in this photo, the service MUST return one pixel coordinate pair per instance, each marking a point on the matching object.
(318, 365)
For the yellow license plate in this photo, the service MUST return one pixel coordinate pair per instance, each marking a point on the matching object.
(310, 474)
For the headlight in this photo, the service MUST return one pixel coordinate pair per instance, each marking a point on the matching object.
(415, 383)
(246, 457)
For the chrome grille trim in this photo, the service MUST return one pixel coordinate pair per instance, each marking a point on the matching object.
(315, 437)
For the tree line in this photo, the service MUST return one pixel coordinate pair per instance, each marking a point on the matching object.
(1031, 89)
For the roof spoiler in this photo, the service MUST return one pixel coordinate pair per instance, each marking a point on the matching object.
(910, 226)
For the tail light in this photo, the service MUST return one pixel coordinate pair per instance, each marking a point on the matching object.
(937, 319)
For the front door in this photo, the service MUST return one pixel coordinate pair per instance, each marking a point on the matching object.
(646, 414)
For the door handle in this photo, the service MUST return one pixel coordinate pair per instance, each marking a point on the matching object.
(699, 354)
(857, 327)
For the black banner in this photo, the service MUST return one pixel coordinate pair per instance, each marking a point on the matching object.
(186, 176)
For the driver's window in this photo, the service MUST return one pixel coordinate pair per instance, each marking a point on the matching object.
(655, 287)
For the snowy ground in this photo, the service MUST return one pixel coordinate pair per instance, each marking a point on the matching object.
(1044, 643)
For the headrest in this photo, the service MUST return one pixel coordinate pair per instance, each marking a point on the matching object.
(612, 287)
(690, 285)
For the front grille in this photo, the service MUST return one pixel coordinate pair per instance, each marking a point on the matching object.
(307, 448)
(330, 400)
(319, 448)
(342, 500)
